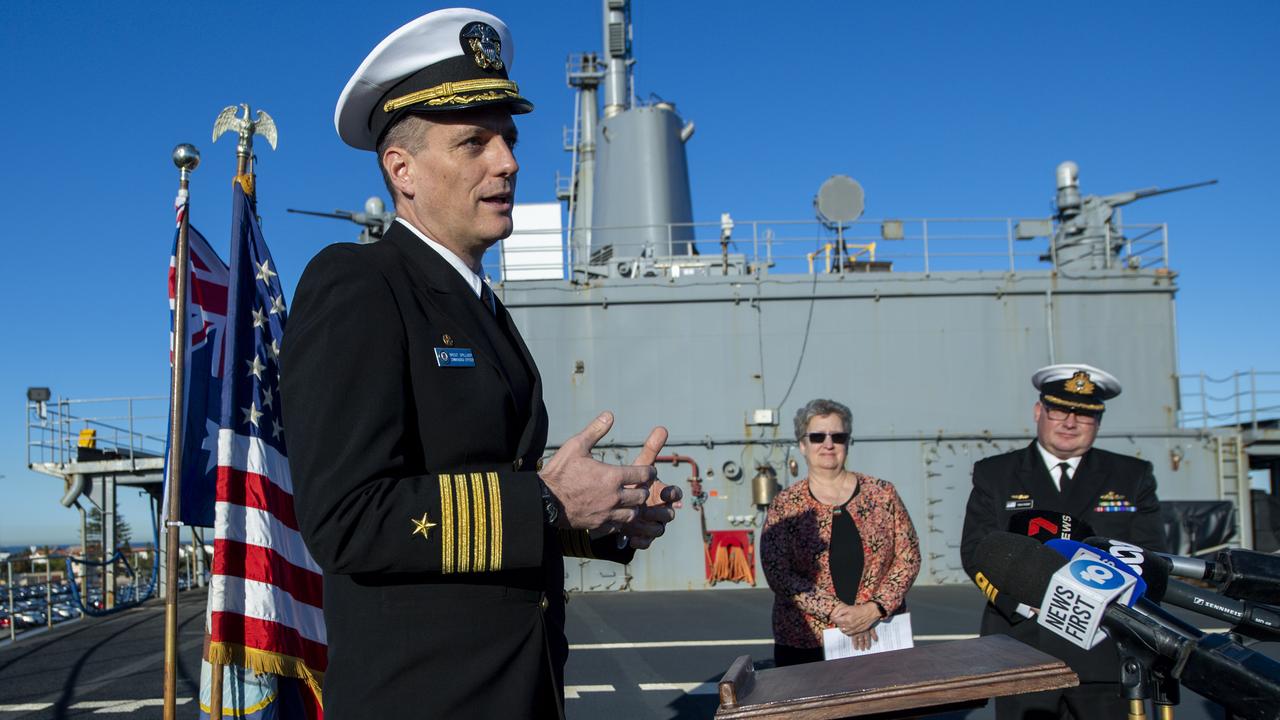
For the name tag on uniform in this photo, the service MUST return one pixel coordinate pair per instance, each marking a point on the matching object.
(1019, 504)
(455, 357)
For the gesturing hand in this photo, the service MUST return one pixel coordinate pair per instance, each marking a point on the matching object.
(660, 509)
(593, 494)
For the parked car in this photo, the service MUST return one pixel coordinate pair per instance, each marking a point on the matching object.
(31, 618)
(64, 611)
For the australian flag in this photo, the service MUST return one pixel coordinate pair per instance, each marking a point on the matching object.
(207, 282)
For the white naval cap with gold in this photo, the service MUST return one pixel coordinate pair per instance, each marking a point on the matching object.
(1075, 387)
(445, 60)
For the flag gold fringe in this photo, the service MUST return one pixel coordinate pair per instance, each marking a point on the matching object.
(267, 662)
(246, 183)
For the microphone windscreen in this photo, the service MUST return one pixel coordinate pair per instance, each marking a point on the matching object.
(1153, 568)
(1017, 565)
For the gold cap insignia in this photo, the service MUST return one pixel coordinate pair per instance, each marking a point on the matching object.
(1080, 384)
(422, 526)
(485, 45)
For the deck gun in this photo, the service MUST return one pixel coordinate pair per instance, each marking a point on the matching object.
(376, 219)
(1085, 230)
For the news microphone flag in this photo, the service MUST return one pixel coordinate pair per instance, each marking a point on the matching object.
(1076, 549)
(265, 599)
(207, 281)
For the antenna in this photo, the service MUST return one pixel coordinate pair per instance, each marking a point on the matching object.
(839, 201)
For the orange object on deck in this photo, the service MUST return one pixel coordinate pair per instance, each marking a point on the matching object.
(731, 556)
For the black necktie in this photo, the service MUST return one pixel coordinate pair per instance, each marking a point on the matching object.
(486, 297)
(1064, 474)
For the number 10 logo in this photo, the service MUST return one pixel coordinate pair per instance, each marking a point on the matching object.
(1096, 574)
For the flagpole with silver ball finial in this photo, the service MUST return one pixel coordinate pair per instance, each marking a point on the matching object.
(186, 157)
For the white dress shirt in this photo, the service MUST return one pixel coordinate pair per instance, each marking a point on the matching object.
(1052, 462)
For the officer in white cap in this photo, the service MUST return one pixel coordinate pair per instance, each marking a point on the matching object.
(1062, 473)
(415, 420)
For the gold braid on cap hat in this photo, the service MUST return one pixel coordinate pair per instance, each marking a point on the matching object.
(444, 92)
(1093, 407)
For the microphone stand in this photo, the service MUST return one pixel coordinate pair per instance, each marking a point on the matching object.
(1135, 678)
(1168, 692)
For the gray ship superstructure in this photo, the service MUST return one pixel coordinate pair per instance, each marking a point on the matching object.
(928, 329)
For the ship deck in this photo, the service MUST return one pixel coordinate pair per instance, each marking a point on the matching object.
(634, 655)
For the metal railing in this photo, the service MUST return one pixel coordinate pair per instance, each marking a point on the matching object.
(905, 245)
(128, 427)
(1248, 398)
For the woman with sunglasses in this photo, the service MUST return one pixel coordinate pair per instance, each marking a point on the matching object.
(838, 547)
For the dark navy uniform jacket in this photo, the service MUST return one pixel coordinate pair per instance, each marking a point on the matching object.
(415, 423)
(1114, 494)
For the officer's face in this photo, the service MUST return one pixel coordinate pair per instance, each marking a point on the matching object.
(463, 179)
(1066, 438)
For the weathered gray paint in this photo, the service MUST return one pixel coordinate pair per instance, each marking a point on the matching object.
(935, 367)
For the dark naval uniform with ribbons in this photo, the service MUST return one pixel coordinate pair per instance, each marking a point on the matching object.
(1113, 494)
(415, 424)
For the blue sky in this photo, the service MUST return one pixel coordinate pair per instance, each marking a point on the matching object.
(939, 109)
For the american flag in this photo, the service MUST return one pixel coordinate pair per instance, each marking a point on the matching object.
(265, 598)
(202, 392)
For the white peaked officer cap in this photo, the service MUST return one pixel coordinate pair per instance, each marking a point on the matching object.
(1075, 387)
(450, 59)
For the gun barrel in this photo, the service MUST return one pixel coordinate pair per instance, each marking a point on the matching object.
(341, 214)
(1165, 191)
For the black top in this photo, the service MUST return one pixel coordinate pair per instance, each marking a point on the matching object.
(845, 553)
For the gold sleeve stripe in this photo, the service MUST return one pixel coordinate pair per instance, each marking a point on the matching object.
(464, 523)
(482, 525)
(446, 525)
(495, 520)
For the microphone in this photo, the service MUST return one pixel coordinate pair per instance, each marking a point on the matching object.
(1257, 621)
(1248, 575)
(1045, 525)
(1077, 597)
(1072, 549)
(1239, 574)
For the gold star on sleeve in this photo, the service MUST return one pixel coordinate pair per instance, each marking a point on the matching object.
(422, 526)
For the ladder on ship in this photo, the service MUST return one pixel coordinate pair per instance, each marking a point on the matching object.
(1233, 482)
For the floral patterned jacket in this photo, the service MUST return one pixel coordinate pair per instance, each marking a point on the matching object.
(797, 533)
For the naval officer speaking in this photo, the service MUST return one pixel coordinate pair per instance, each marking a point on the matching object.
(415, 415)
(1062, 472)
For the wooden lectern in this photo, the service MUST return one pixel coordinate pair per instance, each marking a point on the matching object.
(899, 684)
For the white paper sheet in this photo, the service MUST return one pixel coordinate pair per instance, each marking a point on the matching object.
(891, 634)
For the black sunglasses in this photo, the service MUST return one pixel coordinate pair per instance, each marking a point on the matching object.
(840, 438)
